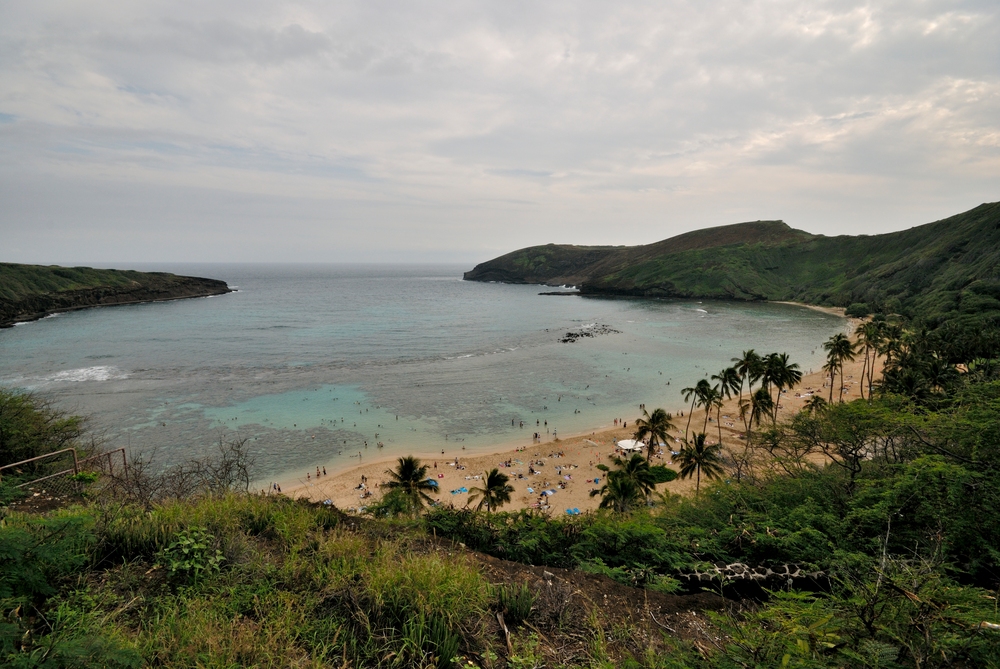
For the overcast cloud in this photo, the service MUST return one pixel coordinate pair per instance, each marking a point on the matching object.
(360, 131)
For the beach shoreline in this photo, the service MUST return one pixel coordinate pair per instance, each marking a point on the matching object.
(575, 456)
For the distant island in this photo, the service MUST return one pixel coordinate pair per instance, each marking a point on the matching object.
(933, 273)
(30, 292)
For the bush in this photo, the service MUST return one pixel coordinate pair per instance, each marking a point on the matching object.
(857, 310)
(662, 474)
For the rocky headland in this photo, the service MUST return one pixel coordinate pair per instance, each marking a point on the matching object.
(30, 292)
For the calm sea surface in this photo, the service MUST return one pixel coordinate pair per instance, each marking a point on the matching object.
(311, 362)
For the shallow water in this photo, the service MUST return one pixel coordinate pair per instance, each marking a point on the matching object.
(311, 362)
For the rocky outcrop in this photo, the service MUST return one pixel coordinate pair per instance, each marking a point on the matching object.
(154, 287)
(739, 580)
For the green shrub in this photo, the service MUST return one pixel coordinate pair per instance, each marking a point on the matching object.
(857, 310)
(662, 474)
(191, 556)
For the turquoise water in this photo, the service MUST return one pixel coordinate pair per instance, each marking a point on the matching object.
(311, 362)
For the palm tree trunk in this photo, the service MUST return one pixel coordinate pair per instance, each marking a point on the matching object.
(718, 419)
(697, 483)
(842, 382)
(708, 410)
(864, 370)
(690, 414)
(833, 376)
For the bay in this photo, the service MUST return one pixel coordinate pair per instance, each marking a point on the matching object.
(316, 364)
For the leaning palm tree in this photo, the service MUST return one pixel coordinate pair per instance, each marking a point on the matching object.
(620, 493)
(698, 458)
(709, 396)
(655, 426)
(494, 493)
(693, 393)
(410, 478)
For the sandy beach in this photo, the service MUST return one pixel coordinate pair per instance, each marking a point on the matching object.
(567, 465)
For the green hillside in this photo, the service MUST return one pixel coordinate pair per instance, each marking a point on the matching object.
(933, 273)
(28, 292)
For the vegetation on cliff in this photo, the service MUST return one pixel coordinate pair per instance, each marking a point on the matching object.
(940, 272)
(28, 292)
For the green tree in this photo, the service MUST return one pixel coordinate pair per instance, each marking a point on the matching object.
(494, 493)
(655, 427)
(698, 458)
(410, 478)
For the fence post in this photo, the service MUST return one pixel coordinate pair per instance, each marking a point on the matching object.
(76, 463)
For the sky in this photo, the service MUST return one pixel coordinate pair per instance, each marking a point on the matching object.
(343, 131)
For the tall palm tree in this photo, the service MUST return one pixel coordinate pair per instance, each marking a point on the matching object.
(709, 396)
(410, 477)
(698, 458)
(494, 493)
(729, 385)
(620, 493)
(655, 426)
(783, 375)
(869, 336)
(749, 369)
(637, 469)
(693, 393)
(840, 349)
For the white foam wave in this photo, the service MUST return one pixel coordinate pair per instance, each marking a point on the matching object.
(99, 373)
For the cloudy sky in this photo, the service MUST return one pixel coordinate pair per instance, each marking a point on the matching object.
(454, 131)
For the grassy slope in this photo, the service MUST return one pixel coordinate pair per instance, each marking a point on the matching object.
(20, 281)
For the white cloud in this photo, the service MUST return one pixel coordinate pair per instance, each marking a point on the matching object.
(443, 130)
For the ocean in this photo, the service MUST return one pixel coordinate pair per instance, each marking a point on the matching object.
(314, 364)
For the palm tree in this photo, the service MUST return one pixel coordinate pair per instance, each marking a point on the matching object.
(410, 478)
(710, 395)
(784, 375)
(494, 493)
(760, 405)
(655, 426)
(698, 458)
(729, 384)
(815, 404)
(637, 469)
(693, 393)
(870, 336)
(620, 493)
(749, 369)
(839, 349)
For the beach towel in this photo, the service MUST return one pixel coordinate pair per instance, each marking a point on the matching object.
(531, 490)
